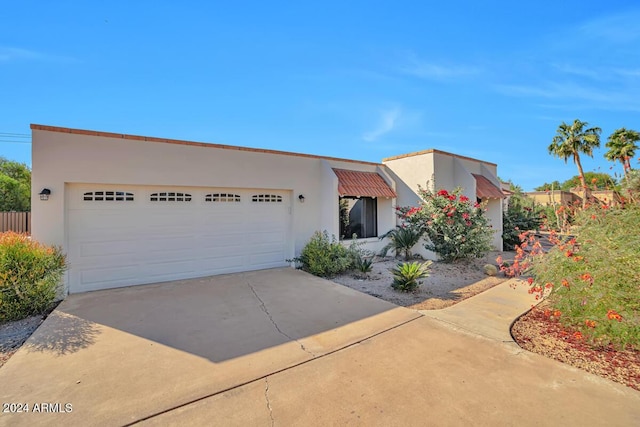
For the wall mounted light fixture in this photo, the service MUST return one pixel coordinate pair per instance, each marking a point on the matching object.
(44, 194)
(301, 198)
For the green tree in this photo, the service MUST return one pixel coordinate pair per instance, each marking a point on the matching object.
(631, 185)
(571, 141)
(622, 147)
(555, 185)
(601, 181)
(15, 186)
(522, 214)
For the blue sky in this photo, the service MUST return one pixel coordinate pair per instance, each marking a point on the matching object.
(358, 79)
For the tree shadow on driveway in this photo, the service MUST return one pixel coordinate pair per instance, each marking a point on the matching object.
(63, 334)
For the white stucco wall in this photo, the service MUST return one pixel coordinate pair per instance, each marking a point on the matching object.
(59, 158)
(329, 218)
(448, 171)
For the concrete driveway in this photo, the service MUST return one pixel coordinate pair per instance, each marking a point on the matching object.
(121, 355)
(280, 347)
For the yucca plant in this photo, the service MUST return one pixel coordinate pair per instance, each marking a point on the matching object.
(407, 275)
(402, 240)
(364, 265)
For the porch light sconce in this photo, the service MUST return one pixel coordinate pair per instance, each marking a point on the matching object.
(44, 194)
(301, 198)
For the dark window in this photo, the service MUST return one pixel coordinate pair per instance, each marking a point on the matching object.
(170, 197)
(107, 196)
(222, 197)
(358, 216)
(266, 198)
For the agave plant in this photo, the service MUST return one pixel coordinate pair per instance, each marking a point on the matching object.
(406, 276)
(364, 265)
(401, 241)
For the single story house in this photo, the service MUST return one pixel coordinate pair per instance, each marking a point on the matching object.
(556, 197)
(132, 210)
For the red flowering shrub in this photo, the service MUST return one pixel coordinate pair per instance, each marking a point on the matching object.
(596, 274)
(456, 228)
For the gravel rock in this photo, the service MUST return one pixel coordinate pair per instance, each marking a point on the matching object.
(545, 336)
(14, 334)
(490, 270)
(447, 284)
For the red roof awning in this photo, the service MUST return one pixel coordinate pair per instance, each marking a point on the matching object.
(485, 189)
(368, 184)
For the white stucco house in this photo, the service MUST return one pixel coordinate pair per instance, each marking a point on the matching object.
(132, 210)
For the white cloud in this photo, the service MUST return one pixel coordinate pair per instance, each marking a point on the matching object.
(386, 123)
(16, 54)
(618, 29)
(581, 71)
(633, 73)
(436, 71)
(625, 99)
(12, 53)
(439, 72)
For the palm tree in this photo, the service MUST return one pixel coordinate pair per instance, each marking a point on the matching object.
(622, 147)
(570, 141)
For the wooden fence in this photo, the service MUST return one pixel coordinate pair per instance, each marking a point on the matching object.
(20, 222)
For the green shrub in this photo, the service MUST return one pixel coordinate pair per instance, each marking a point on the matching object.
(631, 185)
(406, 276)
(363, 265)
(402, 239)
(326, 257)
(30, 276)
(595, 276)
(456, 228)
(521, 215)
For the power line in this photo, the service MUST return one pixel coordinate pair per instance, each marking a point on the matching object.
(14, 142)
(14, 135)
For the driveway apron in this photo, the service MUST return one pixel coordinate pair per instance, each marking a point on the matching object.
(122, 355)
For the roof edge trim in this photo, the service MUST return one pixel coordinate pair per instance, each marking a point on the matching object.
(191, 143)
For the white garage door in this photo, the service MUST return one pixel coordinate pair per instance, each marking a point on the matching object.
(130, 235)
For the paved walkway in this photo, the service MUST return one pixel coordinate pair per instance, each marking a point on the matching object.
(490, 313)
(453, 367)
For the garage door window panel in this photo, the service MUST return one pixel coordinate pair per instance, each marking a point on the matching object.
(222, 198)
(107, 196)
(170, 197)
(266, 198)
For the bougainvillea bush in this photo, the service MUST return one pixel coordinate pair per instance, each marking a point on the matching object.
(30, 276)
(592, 278)
(455, 226)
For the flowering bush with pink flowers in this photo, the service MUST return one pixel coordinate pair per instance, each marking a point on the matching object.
(456, 227)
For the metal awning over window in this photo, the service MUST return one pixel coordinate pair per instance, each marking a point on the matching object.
(485, 189)
(362, 184)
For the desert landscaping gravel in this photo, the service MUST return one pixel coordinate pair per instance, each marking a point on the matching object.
(14, 334)
(447, 284)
